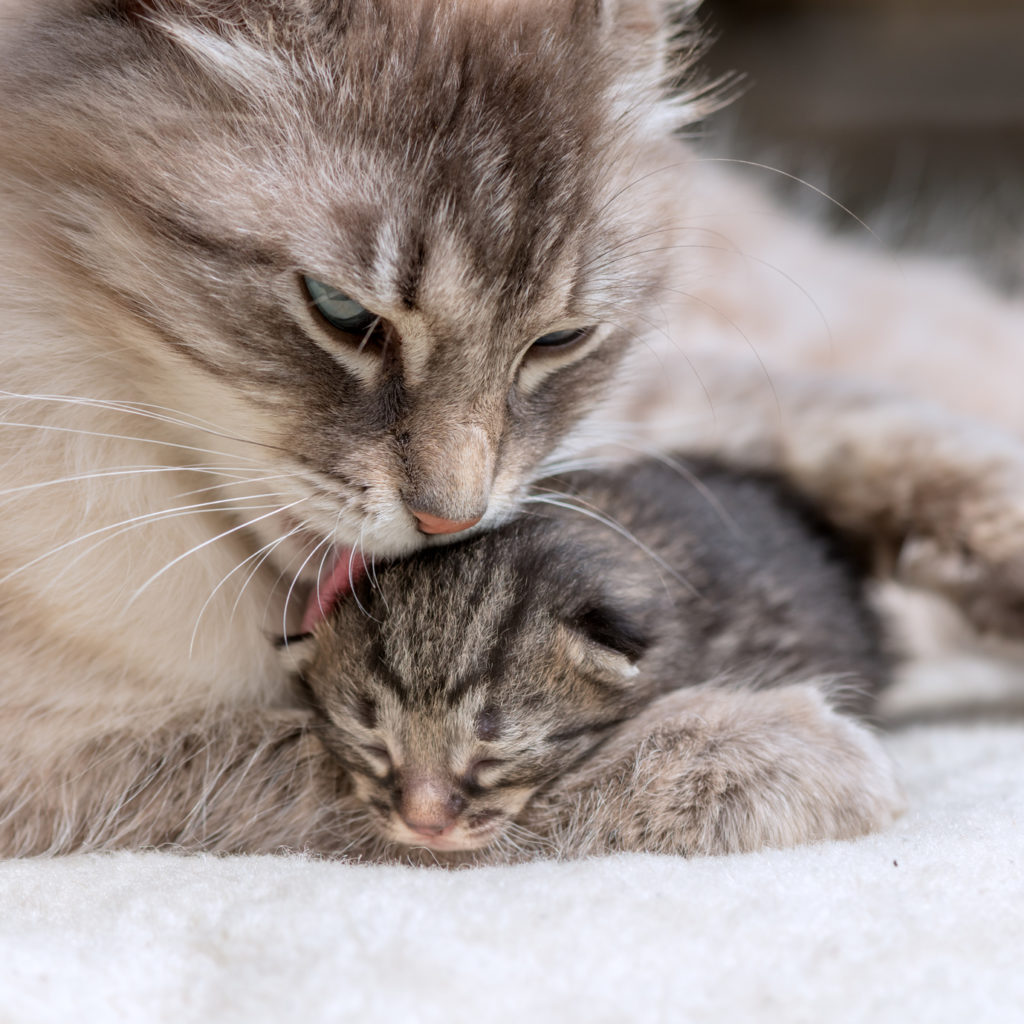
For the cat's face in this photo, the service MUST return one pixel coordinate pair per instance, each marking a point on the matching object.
(391, 251)
(454, 686)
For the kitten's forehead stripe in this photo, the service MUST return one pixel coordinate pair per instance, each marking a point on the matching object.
(380, 668)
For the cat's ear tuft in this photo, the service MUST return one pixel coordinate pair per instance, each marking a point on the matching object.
(634, 17)
(642, 17)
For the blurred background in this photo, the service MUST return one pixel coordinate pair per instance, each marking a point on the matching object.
(910, 112)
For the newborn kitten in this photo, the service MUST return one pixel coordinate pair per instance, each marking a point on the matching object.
(455, 685)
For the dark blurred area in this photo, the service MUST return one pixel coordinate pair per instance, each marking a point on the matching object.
(911, 112)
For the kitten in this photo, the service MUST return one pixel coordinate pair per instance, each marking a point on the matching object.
(454, 686)
(282, 279)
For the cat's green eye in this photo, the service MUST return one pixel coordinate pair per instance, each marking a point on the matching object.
(338, 309)
(562, 339)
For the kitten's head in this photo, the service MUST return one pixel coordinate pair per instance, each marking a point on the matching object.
(391, 251)
(454, 685)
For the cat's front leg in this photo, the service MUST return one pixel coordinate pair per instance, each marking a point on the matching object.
(714, 770)
(234, 780)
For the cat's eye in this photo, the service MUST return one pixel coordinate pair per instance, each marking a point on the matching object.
(342, 312)
(562, 339)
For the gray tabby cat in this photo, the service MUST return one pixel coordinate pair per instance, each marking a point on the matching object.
(282, 279)
(638, 663)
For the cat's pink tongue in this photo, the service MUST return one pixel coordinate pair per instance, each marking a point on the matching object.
(347, 570)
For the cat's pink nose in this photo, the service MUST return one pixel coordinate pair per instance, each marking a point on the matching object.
(436, 525)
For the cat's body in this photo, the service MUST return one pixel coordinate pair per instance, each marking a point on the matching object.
(456, 686)
(186, 445)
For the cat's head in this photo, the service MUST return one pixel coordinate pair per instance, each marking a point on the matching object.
(385, 252)
(454, 685)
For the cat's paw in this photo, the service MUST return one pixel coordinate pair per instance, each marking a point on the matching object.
(713, 771)
(985, 580)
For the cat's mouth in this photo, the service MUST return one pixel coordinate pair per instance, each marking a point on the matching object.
(328, 589)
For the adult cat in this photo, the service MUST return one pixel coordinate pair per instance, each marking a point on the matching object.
(283, 278)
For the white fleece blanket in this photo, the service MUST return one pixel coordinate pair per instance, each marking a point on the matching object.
(924, 923)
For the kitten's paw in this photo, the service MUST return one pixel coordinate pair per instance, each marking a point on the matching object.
(721, 771)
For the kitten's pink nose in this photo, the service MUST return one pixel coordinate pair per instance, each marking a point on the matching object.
(428, 828)
(429, 808)
(436, 525)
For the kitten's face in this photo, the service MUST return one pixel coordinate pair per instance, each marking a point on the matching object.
(463, 681)
(391, 250)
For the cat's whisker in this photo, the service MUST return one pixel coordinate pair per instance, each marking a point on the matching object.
(351, 583)
(206, 543)
(652, 452)
(739, 330)
(267, 550)
(129, 408)
(638, 237)
(245, 561)
(326, 542)
(123, 437)
(323, 560)
(732, 250)
(200, 508)
(236, 482)
(571, 503)
(689, 362)
(229, 473)
(805, 184)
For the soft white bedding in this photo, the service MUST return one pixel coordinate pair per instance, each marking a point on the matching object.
(922, 924)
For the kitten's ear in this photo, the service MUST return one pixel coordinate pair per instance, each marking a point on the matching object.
(607, 644)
